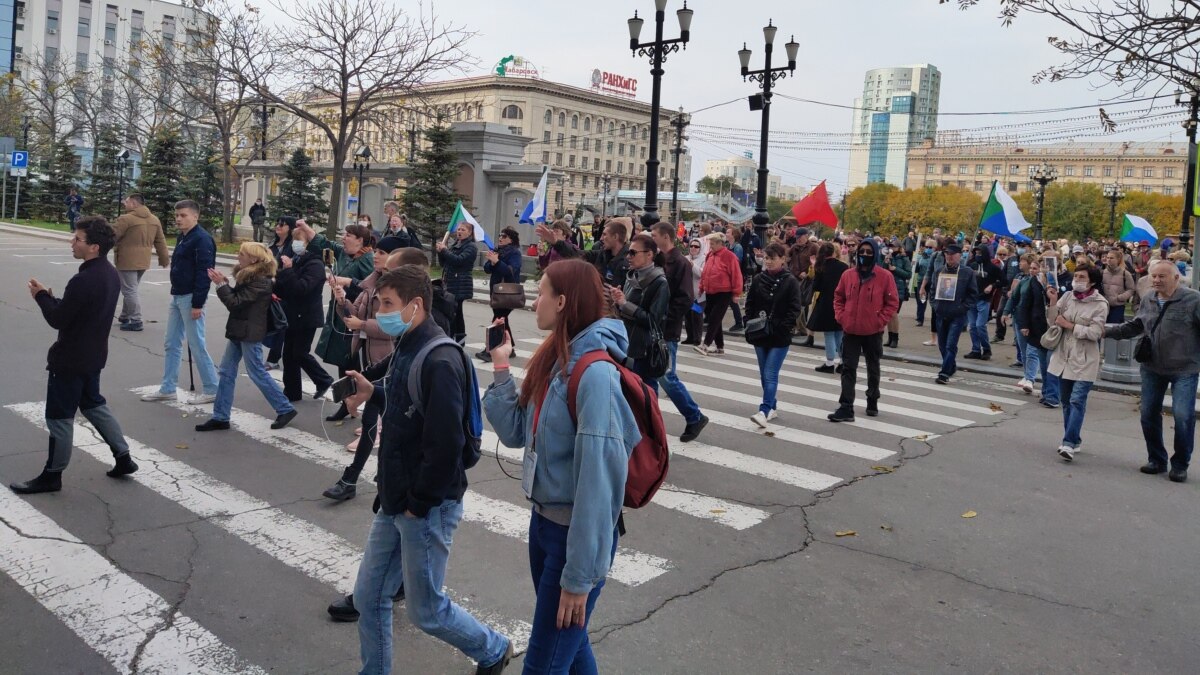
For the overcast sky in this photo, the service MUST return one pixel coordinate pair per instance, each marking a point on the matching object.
(985, 66)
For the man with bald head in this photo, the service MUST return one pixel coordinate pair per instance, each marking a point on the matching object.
(1168, 319)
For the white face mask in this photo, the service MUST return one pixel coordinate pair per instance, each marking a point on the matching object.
(299, 247)
(1079, 286)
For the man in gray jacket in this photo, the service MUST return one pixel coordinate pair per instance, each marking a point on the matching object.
(1169, 318)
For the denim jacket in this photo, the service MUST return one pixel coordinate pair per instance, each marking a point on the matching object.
(580, 472)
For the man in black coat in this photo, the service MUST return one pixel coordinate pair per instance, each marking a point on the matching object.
(954, 293)
(82, 317)
(679, 281)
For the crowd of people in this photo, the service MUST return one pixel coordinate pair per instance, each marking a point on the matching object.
(396, 339)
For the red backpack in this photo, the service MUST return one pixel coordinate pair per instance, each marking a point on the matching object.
(648, 463)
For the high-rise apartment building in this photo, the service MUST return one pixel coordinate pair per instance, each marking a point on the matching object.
(743, 171)
(897, 111)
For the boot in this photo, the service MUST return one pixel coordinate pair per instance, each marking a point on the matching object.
(125, 466)
(47, 481)
(339, 415)
(893, 340)
(810, 341)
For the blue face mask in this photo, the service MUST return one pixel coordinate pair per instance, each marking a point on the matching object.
(928, 251)
(393, 323)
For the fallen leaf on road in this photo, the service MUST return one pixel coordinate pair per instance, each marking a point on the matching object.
(922, 437)
(181, 446)
(716, 511)
(338, 424)
(184, 415)
(769, 433)
(995, 407)
(886, 528)
(845, 533)
(883, 469)
(969, 514)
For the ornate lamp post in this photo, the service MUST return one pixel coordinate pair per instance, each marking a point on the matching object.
(680, 123)
(362, 162)
(122, 158)
(607, 179)
(1113, 193)
(1042, 175)
(1189, 190)
(657, 51)
(765, 77)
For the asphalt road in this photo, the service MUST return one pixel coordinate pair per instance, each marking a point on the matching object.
(812, 548)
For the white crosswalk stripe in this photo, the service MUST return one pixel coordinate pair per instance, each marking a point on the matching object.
(129, 625)
(630, 567)
(317, 553)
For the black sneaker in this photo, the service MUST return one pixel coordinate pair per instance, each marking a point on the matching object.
(826, 368)
(998, 339)
(973, 356)
(483, 356)
(872, 408)
(1178, 475)
(283, 420)
(842, 415)
(135, 326)
(499, 666)
(1153, 468)
(986, 356)
(692, 431)
(737, 329)
(125, 466)
(320, 393)
(46, 481)
(341, 491)
(942, 379)
(213, 425)
(343, 609)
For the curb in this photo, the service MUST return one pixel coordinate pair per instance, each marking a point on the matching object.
(226, 259)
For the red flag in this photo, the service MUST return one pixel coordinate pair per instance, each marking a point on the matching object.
(815, 208)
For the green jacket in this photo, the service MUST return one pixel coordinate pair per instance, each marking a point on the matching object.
(334, 345)
(901, 270)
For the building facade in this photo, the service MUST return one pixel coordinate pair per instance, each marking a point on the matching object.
(897, 111)
(583, 134)
(1147, 167)
(743, 171)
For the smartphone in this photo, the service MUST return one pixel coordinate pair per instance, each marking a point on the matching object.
(495, 336)
(344, 388)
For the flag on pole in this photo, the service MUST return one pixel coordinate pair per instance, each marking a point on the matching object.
(1001, 215)
(815, 208)
(535, 210)
(461, 215)
(1134, 228)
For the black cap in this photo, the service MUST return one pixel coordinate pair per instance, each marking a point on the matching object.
(802, 232)
(953, 248)
(389, 244)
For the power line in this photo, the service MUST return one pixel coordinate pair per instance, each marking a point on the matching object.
(1043, 111)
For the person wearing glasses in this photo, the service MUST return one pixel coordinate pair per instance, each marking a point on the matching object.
(694, 322)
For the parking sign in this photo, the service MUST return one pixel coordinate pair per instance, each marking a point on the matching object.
(20, 159)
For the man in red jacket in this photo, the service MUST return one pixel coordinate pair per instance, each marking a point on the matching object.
(864, 302)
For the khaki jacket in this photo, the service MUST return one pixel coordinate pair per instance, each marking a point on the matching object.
(1078, 355)
(139, 231)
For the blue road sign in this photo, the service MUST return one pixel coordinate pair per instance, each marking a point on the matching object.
(20, 159)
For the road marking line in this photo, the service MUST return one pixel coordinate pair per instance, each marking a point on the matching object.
(317, 553)
(757, 466)
(838, 445)
(110, 611)
(635, 568)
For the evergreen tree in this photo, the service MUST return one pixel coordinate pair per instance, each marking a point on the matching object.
(105, 176)
(160, 182)
(202, 182)
(430, 199)
(59, 174)
(301, 192)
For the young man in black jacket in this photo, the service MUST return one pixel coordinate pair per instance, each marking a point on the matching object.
(422, 480)
(609, 258)
(82, 317)
(988, 278)
(679, 281)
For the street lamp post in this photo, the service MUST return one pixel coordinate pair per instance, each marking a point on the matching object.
(362, 162)
(1113, 193)
(1189, 190)
(412, 142)
(122, 157)
(766, 78)
(680, 123)
(1042, 175)
(265, 115)
(607, 179)
(657, 51)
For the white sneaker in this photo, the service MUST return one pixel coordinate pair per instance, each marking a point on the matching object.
(760, 419)
(202, 399)
(930, 343)
(772, 415)
(701, 350)
(1025, 385)
(159, 396)
(1066, 453)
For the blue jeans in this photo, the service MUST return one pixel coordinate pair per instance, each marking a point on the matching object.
(833, 345)
(1038, 358)
(412, 552)
(675, 390)
(921, 305)
(554, 651)
(179, 324)
(1073, 394)
(1183, 397)
(977, 323)
(948, 332)
(251, 353)
(1022, 343)
(770, 361)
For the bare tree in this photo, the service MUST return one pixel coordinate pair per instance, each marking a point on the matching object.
(48, 87)
(1134, 43)
(342, 65)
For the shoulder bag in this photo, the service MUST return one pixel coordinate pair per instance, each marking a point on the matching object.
(1143, 352)
(507, 296)
(658, 354)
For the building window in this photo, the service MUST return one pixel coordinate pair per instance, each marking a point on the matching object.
(1168, 191)
(557, 196)
(930, 168)
(643, 152)
(1069, 171)
(51, 55)
(962, 183)
(587, 124)
(612, 128)
(596, 164)
(978, 169)
(1148, 172)
(622, 131)
(574, 121)
(584, 180)
(545, 158)
(645, 134)
(1014, 168)
(560, 140)
(110, 32)
(587, 143)
(1169, 172)
(620, 183)
(562, 119)
(978, 186)
(621, 149)
(1108, 172)
(81, 62)
(945, 168)
(610, 147)
(546, 136)
(962, 169)
(1129, 172)
(574, 142)
(997, 169)
(558, 158)
(51, 19)
(85, 26)
(620, 167)
(1089, 171)
(608, 165)
(571, 163)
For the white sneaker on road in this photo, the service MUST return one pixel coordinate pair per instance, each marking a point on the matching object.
(1066, 453)
(159, 396)
(1025, 385)
(930, 343)
(761, 419)
(201, 399)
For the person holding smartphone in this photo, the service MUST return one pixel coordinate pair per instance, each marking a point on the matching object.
(1031, 320)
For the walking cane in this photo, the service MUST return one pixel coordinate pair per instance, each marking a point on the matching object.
(191, 376)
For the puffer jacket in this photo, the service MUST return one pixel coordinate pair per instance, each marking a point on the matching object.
(300, 287)
(370, 337)
(864, 306)
(1030, 311)
(901, 270)
(458, 259)
(579, 477)
(249, 303)
(778, 296)
(138, 231)
(825, 283)
(646, 297)
(722, 273)
(1119, 286)
(1078, 355)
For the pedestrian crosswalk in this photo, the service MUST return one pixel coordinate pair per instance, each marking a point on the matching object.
(799, 454)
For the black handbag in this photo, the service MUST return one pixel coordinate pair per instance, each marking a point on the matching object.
(277, 320)
(658, 355)
(758, 328)
(507, 296)
(1143, 351)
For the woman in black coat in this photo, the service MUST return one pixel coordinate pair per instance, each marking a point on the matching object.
(504, 264)
(642, 304)
(281, 246)
(300, 285)
(458, 260)
(827, 272)
(775, 294)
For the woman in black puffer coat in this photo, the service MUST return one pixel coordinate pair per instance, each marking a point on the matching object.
(827, 273)
(300, 285)
(458, 260)
(775, 294)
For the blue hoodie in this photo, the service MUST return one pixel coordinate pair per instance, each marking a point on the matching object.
(579, 479)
